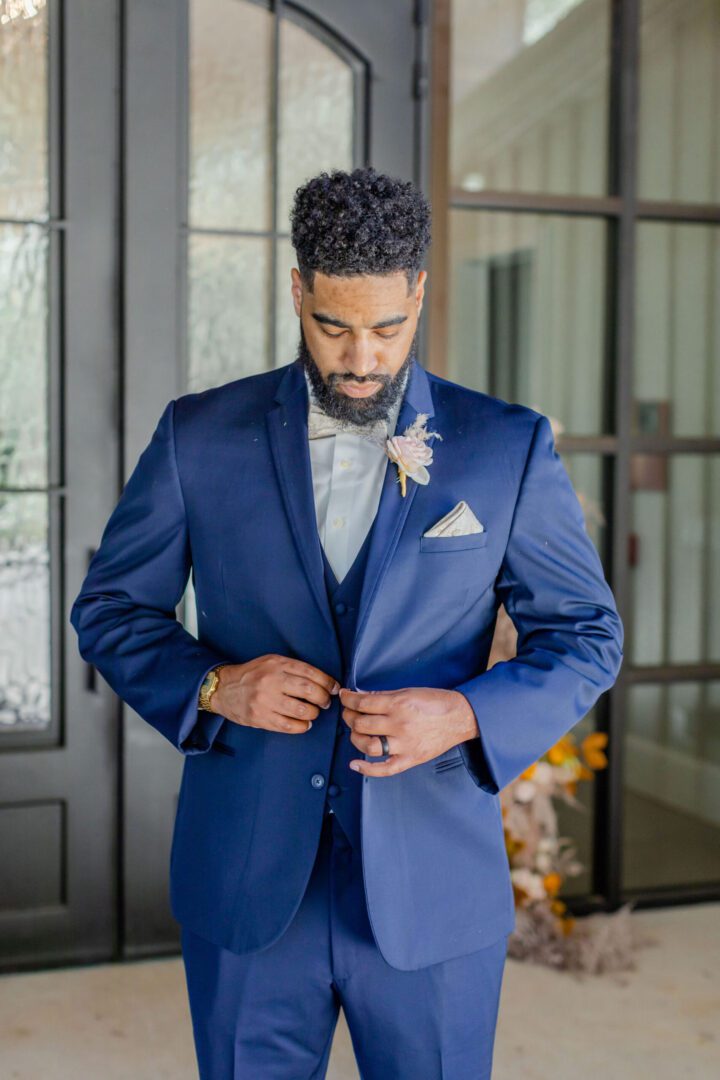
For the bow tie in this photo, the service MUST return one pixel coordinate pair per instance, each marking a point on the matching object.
(320, 425)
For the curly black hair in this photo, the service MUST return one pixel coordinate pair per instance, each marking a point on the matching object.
(362, 222)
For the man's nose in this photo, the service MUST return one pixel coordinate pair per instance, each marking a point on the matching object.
(360, 362)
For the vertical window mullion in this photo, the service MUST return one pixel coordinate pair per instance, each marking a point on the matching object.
(622, 182)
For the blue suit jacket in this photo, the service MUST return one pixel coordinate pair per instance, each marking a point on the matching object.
(224, 489)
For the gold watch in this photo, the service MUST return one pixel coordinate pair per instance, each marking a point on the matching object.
(208, 688)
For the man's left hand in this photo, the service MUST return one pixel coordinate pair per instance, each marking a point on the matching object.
(419, 723)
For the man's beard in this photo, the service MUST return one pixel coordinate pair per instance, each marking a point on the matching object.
(355, 410)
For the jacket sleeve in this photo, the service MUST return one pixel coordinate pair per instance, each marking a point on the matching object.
(570, 636)
(124, 614)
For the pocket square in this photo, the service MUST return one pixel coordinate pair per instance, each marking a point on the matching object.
(457, 522)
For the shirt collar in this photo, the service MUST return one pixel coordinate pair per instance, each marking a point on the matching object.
(392, 415)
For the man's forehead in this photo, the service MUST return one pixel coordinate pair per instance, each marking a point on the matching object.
(368, 288)
(360, 299)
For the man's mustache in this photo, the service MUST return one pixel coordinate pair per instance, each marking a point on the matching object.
(368, 379)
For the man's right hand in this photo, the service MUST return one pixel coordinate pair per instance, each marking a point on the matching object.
(273, 692)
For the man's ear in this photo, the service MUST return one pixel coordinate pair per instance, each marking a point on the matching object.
(420, 289)
(296, 290)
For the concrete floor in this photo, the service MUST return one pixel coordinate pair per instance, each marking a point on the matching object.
(131, 1021)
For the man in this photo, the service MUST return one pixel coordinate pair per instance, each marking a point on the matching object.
(348, 573)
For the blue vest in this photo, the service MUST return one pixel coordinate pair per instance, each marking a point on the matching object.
(344, 791)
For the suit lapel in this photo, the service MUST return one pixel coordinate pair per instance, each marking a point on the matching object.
(288, 434)
(393, 509)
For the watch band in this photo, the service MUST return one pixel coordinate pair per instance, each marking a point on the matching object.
(208, 688)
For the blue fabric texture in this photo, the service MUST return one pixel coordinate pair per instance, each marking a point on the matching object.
(272, 1014)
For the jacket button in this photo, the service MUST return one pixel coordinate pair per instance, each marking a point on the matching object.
(317, 780)
(333, 789)
(340, 607)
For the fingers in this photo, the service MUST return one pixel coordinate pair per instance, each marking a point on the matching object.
(294, 707)
(301, 686)
(284, 723)
(396, 763)
(304, 690)
(378, 724)
(367, 744)
(365, 701)
(311, 674)
(279, 693)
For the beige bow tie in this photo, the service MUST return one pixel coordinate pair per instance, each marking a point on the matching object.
(320, 425)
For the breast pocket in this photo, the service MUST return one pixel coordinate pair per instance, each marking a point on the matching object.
(454, 543)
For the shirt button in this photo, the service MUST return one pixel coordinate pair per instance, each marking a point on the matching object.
(340, 607)
(338, 521)
(317, 780)
(333, 789)
(345, 463)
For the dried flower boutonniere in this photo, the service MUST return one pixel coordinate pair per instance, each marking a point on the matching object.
(410, 453)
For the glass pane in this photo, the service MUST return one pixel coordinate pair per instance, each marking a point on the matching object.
(24, 612)
(586, 475)
(23, 114)
(230, 115)
(316, 113)
(672, 779)
(23, 356)
(526, 312)
(675, 558)
(677, 317)
(229, 284)
(576, 822)
(529, 95)
(679, 144)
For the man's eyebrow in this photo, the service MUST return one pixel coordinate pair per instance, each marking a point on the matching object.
(332, 321)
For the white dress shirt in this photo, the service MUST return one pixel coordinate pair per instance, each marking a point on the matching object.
(347, 473)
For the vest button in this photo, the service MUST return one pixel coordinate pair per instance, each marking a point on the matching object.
(340, 607)
(333, 789)
(317, 780)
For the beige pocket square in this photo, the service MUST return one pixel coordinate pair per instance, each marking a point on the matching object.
(460, 521)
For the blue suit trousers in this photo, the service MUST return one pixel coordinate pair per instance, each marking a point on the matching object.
(271, 1014)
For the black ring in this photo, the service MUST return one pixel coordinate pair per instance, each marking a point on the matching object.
(385, 745)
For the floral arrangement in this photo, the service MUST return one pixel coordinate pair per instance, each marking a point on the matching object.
(541, 859)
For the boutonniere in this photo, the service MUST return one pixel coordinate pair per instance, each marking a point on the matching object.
(410, 453)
